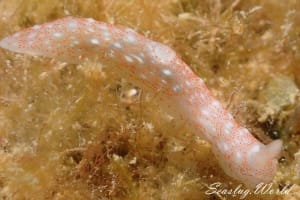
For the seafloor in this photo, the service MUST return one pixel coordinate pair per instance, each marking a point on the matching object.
(84, 132)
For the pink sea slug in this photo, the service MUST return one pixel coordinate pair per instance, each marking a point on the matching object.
(156, 67)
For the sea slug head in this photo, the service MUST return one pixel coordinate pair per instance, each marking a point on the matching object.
(262, 163)
(252, 165)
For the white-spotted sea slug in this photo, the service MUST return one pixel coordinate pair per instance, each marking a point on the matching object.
(154, 66)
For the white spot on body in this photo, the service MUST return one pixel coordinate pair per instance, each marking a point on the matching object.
(102, 27)
(188, 83)
(223, 146)
(176, 88)
(205, 111)
(73, 25)
(139, 59)
(253, 156)
(57, 34)
(160, 53)
(117, 45)
(227, 127)
(130, 38)
(90, 20)
(164, 81)
(94, 41)
(128, 59)
(36, 27)
(74, 43)
(166, 72)
(237, 156)
(106, 35)
(207, 125)
(254, 149)
(216, 105)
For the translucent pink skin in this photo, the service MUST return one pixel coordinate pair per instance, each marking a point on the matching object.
(156, 67)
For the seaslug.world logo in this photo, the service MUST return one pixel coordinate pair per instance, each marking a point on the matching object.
(240, 192)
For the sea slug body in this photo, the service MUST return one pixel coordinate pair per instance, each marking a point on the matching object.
(154, 66)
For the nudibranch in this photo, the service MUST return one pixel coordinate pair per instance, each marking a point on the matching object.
(156, 67)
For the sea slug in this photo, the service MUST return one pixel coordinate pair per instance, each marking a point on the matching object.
(156, 67)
